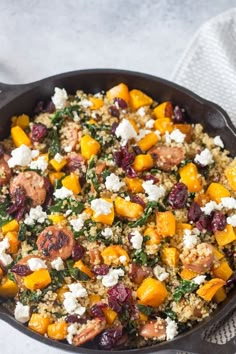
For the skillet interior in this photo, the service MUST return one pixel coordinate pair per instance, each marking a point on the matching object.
(22, 98)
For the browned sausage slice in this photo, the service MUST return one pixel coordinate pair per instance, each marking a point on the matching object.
(33, 185)
(74, 161)
(154, 329)
(88, 331)
(5, 171)
(199, 259)
(55, 241)
(167, 157)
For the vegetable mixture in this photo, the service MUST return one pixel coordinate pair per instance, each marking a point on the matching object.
(117, 219)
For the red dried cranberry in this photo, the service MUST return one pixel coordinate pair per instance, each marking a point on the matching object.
(179, 115)
(96, 310)
(21, 269)
(114, 111)
(138, 200)
(50, 107)
(124, 158)
(1, 150)
(194, 212)
(39, 131)
(178, 196)
(204, 223)
(130, 172)
(82, 181)
(137, 150)
(74, 162)
(150, 177)
(119, 297)
(19, 203)
(113, 128)
(218, 221)
(77, 252)
(41, 107)
(110, 338)
(75, 319)
(101, 269)
(120, 102)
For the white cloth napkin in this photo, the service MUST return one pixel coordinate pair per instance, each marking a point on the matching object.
(208, 67)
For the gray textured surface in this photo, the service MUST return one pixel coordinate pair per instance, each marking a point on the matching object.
(41, 38)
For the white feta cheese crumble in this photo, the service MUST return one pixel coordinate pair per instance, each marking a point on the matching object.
(22, 312)
(58, 157)
(113, 183)
(112, 277)
(21, 156)
(35, 215)
(68, 148)
(204, 158)
(101, 207)
(76, 118)
(71, 332)
(189, 240)
(209, 207)
(107, 232)
(34, 154)
(72, 305)
(142, 134)
(136, 240)
(199, 279)
(231, 220)
(150, 123)
(63, 193)
(68, 212)
(59, 98)
(39, 164)
(125, 131)
(78, 223)
(171, 329)
(57, 264)
(78, 290)
(176, 135)
(218, 141)
(85, 103)
(228, 202)
(123, 259)
(5, 258)
(36, 264)
(160, 273)
(154, 192)
(141, 111)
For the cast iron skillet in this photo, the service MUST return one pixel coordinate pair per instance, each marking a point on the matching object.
(17, 99)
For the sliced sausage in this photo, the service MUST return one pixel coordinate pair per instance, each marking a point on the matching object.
(95, 256)
(33, 185)
(69, 135)
(5, 171)
(74, 161)
(138, 273)
(55, 241)
(89, 331)
(199, 259)
(167, 157)
(154, 329)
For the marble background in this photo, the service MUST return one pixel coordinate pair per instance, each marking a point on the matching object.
(42, 38)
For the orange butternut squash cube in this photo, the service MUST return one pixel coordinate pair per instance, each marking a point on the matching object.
(127, 209)
(112, 254)
(8, 288)
(94, 299)
(223, 271)
(19, 137)
(216, 191)
(142, 317)
(39, 323)
(134, 184)
(139, 99)
(92, 121)
(12, 225)
(217, 254)
(97, 103)
(54, 176)
(164, 125)
(154, 237)
(143, 162)
(13, 241)
(148, 141)
(58, 166)
(89, 147)
(230, 174)
(120, 91)
(208, 290)
(151, 292)
(170, 256)
(57, 218)
(22, 121)
(180, 227)
(220, 295)
(105, 219)
(166, 223)
(83, 268)
(202, 199)
(37, 280)
(189, 176)
(187, 274)
(57, 330)
(164, 110)
(226, 236)
(71, 182)
(110, 315)
(61, 291)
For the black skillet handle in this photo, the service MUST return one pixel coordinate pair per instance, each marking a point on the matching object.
(9, 92)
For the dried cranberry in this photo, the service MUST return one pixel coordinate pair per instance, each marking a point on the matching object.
(179, 115)
(50, 107)
(150, 177)
(119, 297)
(113, 128)
(204, 223)
(77, 252)
(82, 181)
(130, 172)
(21, 269)
(120, 102)
(41, 107)
(178, 196)
(96, 310)
(1, 150)
(110, 337)
(124, 158)
(194, 212)
(231, 280)
(74, 162)
(114, 111)
(75, 319)
(39, 131)
(137, 150)
(19, 203)
(218, 221)
(138, 200)
(101, 269)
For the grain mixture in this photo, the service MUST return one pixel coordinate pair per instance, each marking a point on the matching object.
(117, 219)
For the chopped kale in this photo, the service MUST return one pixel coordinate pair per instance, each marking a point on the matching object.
(54, 144)
(147, 213)
(185, 287)
(4, 217)
(62, 205)
(146, 310)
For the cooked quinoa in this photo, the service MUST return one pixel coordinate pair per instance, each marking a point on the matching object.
(117, 219)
